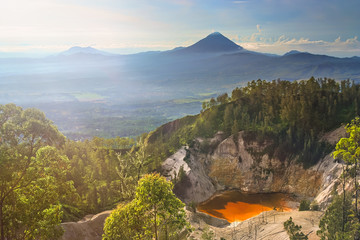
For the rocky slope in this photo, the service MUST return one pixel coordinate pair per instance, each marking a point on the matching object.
(89, 228)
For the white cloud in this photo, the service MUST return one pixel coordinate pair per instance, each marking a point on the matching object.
(255, 36)
(258, 28)
(258, 42)
(283, 44)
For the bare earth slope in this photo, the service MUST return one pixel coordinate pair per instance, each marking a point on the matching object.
(89, 228)
(266, 226)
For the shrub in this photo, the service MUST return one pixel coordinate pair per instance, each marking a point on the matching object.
(304, 205)
(314, 206)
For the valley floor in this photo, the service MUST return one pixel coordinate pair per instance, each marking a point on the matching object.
(268, 225)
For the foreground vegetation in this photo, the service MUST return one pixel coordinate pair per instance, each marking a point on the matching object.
(46, 179)
(32, 175)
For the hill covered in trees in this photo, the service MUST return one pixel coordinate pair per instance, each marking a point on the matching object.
(293, 115)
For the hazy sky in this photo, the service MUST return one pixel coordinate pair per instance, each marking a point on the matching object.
(125, 26)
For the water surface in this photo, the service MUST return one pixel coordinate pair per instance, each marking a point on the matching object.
(237, 206)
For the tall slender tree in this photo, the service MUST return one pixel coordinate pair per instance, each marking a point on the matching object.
(348, 149)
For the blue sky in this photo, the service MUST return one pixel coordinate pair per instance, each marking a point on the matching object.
(275, 26)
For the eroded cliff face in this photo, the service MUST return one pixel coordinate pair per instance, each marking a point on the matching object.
(233, 163)
(247, 167)
(193, 185)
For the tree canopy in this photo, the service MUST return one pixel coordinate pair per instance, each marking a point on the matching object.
(348, 149)
(339, 221)
(293, 230)
(291, 115)
(155, 213)
(32, 175)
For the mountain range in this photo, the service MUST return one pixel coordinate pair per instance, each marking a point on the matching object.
(184, 75)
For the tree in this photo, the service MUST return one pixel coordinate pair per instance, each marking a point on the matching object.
(204, 105)
(212, 102)
(131, 167)
(223, 98)
(126, 222)
(294, 231)
(138, 156)
(228, 118)
(339, 221)
(207, 234)
(104, 172)
(304, 205)
(32, 174)
(155, 213)
(236, 94)
(348, 149)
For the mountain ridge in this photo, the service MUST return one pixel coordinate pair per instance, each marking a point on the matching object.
(212, 43)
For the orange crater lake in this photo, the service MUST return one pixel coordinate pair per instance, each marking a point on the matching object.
(237, 206)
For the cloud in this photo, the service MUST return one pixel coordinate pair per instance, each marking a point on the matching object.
(255, 36)
(353, 40)
(283, 44)
(239, 2)
(258, 28)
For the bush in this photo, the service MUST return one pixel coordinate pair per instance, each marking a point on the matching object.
(192, 206)
(314, 206)
(304, 205)
(207, 234)
(294, 231)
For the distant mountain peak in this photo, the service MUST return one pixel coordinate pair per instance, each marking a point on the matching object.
(215, 34)
(83, 50)
(293, 52)
(214, 42)
(78, 48)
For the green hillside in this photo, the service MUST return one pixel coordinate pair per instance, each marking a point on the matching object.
(291, 114)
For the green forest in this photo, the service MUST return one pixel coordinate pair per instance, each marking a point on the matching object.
(46, 179)
(292, 115)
